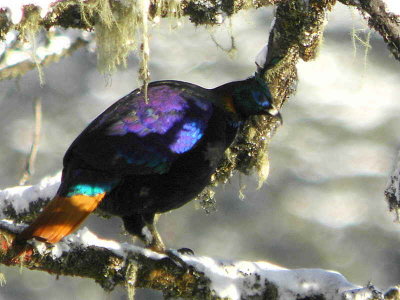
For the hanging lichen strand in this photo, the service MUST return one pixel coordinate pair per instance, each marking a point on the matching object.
(116, 29)
(144, 73)
(122, 27)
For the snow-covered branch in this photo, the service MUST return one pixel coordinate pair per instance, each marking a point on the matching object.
(15, 61)
(23, 203)
(110, 263)
(118, 25)
(392, 191)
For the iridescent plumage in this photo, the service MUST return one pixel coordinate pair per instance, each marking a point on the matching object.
(140, 158)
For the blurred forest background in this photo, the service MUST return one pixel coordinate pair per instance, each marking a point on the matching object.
(323, 204)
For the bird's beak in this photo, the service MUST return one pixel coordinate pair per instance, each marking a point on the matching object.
(273, 111)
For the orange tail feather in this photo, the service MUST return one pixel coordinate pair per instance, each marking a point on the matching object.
(61, 217)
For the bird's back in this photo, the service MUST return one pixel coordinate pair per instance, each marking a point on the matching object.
(135, 136)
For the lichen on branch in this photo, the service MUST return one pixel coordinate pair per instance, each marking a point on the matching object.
(120, 26)
(379, 18)
(110, 264)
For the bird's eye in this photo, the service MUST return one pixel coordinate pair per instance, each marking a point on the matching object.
(261, 98)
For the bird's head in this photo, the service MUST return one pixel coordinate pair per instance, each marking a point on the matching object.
(252, 97)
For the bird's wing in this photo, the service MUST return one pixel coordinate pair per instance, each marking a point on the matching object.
(135, 136)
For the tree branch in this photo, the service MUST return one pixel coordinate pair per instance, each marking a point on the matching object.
(386, 23)
(31, 158)
(109, 264)
(11, 67)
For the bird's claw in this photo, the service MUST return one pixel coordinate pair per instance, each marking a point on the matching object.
(177, 259)
(185, 251)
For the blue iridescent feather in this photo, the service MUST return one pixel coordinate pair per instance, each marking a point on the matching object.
(171, 120)
(91, 189)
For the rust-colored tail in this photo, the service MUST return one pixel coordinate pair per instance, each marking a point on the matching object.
(60, 218)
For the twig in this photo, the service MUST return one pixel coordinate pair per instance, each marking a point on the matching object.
(230, 50)
(30, 161)
(23, 67)
(385, 23)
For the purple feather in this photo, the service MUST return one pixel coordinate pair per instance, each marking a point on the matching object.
(175, 117)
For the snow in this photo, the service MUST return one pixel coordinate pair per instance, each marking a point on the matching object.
(235, 279)
(15, 7)
(393, 6)
(229, 279)
(55, 46)
(85, 238)
(21, 196)
(240, 279)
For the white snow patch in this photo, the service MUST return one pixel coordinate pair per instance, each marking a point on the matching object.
(230, 279)
(393, 6)
(82, 238)
(240, 279)
(15, 7)
(85, 238)
(14, 57)
(21, 196)
(56, 46)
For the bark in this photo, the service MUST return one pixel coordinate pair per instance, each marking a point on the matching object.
(386, 23)
(110, 264)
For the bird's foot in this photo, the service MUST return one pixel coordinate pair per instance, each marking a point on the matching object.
(175, 257)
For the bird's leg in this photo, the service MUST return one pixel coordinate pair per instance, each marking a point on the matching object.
(143, 226)
(156, 244)
(152, 237)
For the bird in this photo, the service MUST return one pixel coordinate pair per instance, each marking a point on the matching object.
(144, 156)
